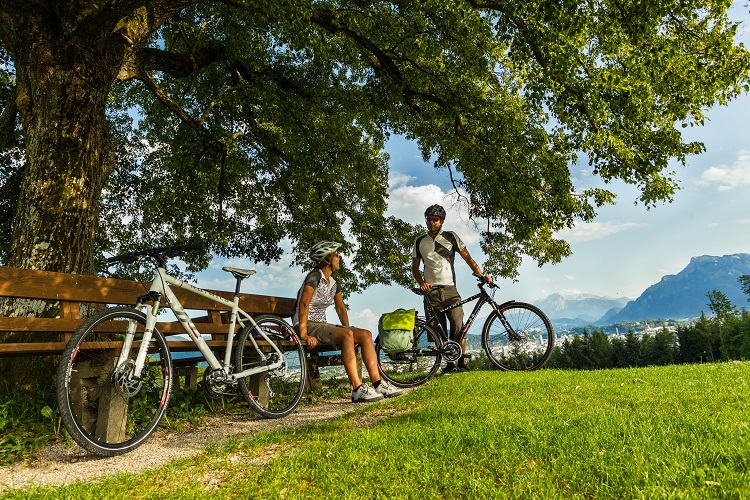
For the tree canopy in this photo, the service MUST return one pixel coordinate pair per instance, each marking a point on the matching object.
(252, 125)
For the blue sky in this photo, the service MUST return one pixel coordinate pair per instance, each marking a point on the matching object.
(624, 251)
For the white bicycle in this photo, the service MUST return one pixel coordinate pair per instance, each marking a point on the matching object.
(115, 376)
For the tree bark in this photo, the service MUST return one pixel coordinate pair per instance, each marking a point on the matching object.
(63, 80)
(68, 158)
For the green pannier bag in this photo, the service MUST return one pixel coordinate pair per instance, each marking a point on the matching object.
(396, 330)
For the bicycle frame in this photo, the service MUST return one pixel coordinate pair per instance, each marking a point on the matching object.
(484, 299)
(160, 288)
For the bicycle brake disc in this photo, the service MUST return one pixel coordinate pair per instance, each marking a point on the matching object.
(122, 379)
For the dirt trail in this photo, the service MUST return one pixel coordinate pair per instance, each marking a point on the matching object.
(61, 463)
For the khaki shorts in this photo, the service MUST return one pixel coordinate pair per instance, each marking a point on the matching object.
(324, 332)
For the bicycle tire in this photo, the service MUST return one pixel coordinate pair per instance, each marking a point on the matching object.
(414, 366)
(275, 393)
(104, 416)
(527, 346)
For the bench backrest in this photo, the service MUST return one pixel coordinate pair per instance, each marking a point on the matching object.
(71, 290)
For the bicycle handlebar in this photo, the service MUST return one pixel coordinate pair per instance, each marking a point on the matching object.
(158, 253)
(482, 282)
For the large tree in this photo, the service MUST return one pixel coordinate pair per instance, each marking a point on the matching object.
(251, 124)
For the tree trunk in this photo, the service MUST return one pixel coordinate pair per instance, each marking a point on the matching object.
(69, 156)
(62, 89)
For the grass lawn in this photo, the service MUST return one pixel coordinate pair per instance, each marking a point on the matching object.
(657, 432)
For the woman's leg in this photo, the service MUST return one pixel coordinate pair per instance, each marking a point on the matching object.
(369, 357)
(345, 339)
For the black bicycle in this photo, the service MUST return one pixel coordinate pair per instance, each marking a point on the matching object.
(516, 337)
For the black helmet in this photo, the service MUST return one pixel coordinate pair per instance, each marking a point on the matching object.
(435, 211)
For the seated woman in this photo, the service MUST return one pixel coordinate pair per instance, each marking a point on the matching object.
(319, 290)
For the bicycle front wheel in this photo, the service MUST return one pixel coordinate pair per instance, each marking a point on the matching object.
(104, 407)
(277, 392)
(518, 337)
(413, 366)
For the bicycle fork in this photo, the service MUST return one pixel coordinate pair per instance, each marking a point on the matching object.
(128, 373)
(513, 336)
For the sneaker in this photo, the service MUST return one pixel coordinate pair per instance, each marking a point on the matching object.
(450, 368)
(462, 368)
(387, 389)
(364, 394)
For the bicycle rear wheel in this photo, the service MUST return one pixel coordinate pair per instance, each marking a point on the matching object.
(273, 393)
(102, 407)
(518, 337)
(416, 365)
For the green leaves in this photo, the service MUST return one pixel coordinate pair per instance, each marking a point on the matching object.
(262, 125)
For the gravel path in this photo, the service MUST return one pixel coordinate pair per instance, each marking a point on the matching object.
(62, 464)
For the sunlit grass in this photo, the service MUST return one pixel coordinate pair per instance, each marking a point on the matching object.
(662, 432)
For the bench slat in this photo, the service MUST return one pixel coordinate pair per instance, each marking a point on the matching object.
(50, 348)
(46, 285)
(65, 325)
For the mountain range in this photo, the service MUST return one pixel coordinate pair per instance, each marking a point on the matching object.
(568, 311)
(678, 296)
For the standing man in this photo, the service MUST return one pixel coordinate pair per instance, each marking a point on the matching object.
(437, 249)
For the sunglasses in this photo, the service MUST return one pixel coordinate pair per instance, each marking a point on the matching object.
(432, 219)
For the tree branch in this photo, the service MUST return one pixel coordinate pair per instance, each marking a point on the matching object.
(171, 104)
(179, 65)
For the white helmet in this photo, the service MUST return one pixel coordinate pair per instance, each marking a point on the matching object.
(321, 250)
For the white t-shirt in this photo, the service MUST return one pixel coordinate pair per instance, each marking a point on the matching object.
(438, 256)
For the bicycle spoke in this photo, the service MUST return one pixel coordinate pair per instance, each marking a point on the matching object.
(416, 365)
(519, 338)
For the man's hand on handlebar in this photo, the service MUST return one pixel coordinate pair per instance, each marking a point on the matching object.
(485, 278)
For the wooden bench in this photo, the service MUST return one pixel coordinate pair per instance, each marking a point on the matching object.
(68, 292)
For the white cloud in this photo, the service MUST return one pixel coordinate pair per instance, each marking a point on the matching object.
(591, 231)
(364, 318)
(396, 179)
(277, 278)
(729, 177)
(409, 202)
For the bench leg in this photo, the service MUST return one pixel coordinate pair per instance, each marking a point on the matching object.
(257, 386)
(315, 362)
(92, 383)
(189, 372)
(313, 374)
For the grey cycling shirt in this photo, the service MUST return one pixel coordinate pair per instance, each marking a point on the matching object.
(325, 291)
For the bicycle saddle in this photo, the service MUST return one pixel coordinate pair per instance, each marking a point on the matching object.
(239, 273)
(419, 291)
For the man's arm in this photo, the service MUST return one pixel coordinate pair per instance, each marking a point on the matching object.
(417, 275)
(464, 252)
